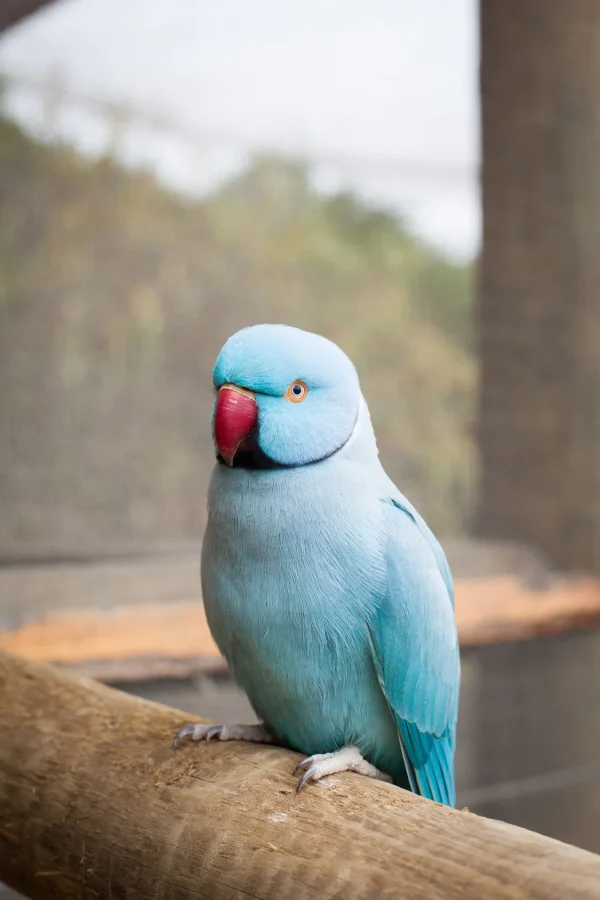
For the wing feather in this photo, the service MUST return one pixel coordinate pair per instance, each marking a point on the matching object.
(415, 650)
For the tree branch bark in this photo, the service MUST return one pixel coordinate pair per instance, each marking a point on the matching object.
(94, 803)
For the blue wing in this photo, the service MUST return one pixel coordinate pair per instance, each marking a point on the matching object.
(415, 650)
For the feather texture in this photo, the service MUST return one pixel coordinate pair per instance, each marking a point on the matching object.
(415, 650)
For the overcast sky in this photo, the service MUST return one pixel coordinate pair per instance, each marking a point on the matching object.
(385, 91)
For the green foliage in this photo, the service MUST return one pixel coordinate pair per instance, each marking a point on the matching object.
(116, 295)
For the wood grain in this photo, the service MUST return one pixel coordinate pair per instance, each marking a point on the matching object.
(94, 803)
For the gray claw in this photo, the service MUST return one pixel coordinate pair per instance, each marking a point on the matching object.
(182, 733)
(215, 731)
(303, 764)
(305, 777)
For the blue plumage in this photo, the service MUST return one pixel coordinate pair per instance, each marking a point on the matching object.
(416, 654)
(325, 590)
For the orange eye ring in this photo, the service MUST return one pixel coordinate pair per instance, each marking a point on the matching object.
(296, 392)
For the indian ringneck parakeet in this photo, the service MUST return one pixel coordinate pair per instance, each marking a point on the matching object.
(324, 589)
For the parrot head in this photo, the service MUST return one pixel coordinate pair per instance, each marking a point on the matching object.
(285, 397)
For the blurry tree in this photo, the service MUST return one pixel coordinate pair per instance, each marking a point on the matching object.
(115, 296)
(53, 97)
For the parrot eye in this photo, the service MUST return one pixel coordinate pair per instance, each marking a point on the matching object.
(296, 392)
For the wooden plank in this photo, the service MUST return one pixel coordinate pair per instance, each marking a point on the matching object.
(32, 555)
(500, 609)
(121, 644)
(28, 593)
(142, 640)
(89, 779)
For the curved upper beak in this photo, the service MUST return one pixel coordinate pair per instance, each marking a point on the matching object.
(236, 414)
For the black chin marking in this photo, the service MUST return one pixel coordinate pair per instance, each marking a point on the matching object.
(251, 456)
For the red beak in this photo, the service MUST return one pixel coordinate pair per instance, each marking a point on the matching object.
(236, 414)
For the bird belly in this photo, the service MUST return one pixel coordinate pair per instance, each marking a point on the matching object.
(307, 670)
(317, 702)
(289, 589)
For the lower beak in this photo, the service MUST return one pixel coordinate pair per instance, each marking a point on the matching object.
(236, 414)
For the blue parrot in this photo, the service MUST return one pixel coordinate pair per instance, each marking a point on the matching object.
(324, 589)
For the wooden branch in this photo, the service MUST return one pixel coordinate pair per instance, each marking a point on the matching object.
(94, 803)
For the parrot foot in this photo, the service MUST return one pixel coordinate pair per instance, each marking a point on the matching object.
(257, 733)
(348, 759)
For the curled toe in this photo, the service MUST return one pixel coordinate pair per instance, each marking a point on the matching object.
(306, 776)
(188, 731)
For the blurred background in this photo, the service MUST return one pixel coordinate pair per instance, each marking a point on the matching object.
(171, 172)
(170, 175)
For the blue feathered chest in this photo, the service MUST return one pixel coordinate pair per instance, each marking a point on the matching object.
(293, 569)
